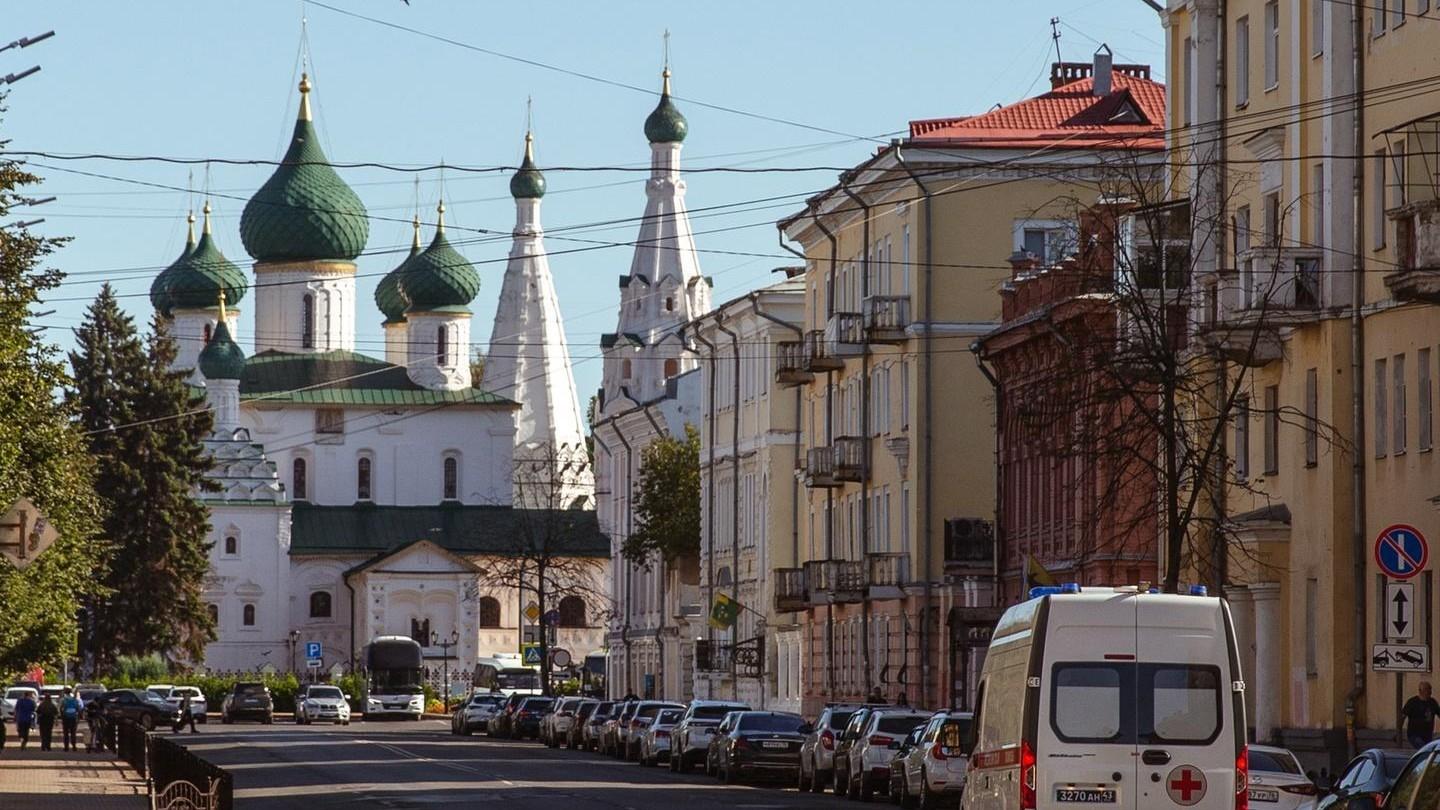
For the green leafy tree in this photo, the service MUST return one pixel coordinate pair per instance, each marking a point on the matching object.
(667, 501)
(145, 427)
(43, 457)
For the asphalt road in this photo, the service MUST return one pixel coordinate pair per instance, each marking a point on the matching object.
(421, 765)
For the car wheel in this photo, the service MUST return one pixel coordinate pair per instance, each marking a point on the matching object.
(819, 779)
(867, 788)
(269, 720)
(344, 722)
(852, 786)
(800, 784)
(147, 722)
(907, 801)
(927, 797)
(839, 785)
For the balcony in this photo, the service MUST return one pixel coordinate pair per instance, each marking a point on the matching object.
(832, 581)
(888, 572)
(969, 545)
(818, 356)
(789, 589)
(849, 459)
(791, 367)
(845, 332)
(819, 471)
(1275, 288)
(1417, 237)
(886, 318)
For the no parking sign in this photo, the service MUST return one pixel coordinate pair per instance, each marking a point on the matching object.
(1401, 551)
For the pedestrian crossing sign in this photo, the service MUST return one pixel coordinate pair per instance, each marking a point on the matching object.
(530, 655)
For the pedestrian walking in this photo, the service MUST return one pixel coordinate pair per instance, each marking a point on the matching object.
(45, 715)
(875, 696)
(69, 719)
(902, 702)
(95, 718)
(185, 714)
(1419, 715)
(24, 718)
(630, 696)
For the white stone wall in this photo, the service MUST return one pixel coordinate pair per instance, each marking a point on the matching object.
(280, 290)
(257, 574)
(188, 328)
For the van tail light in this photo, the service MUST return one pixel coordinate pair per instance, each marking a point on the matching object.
(1300, 790)
(937, 752)
(881, 739)
(827, 739)
(1027, 776)
(1242, 779)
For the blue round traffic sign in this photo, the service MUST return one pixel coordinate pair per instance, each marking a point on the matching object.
(1401, 551)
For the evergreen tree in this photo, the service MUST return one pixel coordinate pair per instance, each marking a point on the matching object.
(145, 427)
(43, 457)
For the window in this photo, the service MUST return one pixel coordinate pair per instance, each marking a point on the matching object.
(451, 475)
(247, 616)
(1086, 703)
(298, 485)
(1379, 21)
(1242, 61)
(572, 612)
(420, 631)
(1272, 429)
(905, 259)
(672, 367)
(232, 545)
(319, 605)
(1397, 174)
(1271, 203)
(1422, 367)
(1398, 398)
(362, 478)
(1173, 704)
(905, 517)
(1187, 109)
(1382, 407)
(625, 369)
(1312, 627)
(1185, 704)
(1377, 200)
(489, 612)
(1317, 205)
(1272, 45)
(670, 303)
(1312, 417)
(213, 611)
(904, 394)
(1317, 26)
(207, 333)
(1306, 283)
(329, 420)
(307, 321)
(442, 345)
(1242, 437)
(1397, 13)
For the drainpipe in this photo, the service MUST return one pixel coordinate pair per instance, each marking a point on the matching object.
(735, 496)
(926, 450)
(709, 496)
(629, 569)
(1357, 386)
(829, 437)
(660, 628)
(978, 349)
(864, 434)
(351, 589)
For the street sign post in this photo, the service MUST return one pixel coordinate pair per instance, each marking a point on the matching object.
(313, 663)
(1400, 658)
(312, 649)
(1401, 551)
(1400, 611)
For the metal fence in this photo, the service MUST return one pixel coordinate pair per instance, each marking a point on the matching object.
(177, 773)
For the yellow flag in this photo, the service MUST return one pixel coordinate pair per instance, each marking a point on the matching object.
(1037, 574)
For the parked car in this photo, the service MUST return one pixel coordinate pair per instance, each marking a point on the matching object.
(248, 699)
(843, 744)
(897, 764)
(761, 743)
(1368, 776)
(869, 757)
(574, 738)
(475, 714)
(610, 737)
(644, 714)
(691, 737)
(655, 737)
(817, 754)
(1277, 782)
(174, 695)
(526, 720)
(1417, 787)
(12, 695)
(322, 702)
(557, 723)
(88, 692)
(139, 706)
(935, 768)
(502, 724)
(592, 732)
(717, 743)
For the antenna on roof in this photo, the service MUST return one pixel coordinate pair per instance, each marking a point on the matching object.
(1055, 35)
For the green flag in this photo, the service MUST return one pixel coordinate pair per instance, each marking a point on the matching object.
(724, 612)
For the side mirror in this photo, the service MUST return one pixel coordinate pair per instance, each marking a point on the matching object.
(347, 697)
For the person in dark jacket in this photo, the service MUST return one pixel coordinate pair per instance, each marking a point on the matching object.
(46, 713)
(24, 718)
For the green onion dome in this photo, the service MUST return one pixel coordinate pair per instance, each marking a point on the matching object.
(528, 182)
(197, 280)
(222, 359)
(304, 211)
(159, 293)
(438, 278)
(387, 292)
(665, 124)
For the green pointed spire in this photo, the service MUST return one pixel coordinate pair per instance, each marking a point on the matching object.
(666, 124)
(438, 279)
(528, 182)
(387, 293)
(222, 358)
(159, 288)
(203, 274)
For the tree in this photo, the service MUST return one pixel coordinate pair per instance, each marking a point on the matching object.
(42, 457)
(145, 427)
(667, 501)
(477, 368)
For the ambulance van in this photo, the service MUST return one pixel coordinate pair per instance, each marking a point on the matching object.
(1111, 698)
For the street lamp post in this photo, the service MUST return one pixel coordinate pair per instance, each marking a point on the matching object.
(294, 636)
(445, 644)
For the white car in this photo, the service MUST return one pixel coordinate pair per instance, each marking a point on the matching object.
(174, 695)
(556, 724)
(477, 712)
(323, 703)
(655, 739)
(880, 737)
(936, 767)
(13, 694)
(1277, 782)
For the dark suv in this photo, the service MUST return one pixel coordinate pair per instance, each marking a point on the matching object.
(138, 706)
(248, 700)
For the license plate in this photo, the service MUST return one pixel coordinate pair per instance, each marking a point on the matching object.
(1085, 795)
(774, 745)
(1264, 795)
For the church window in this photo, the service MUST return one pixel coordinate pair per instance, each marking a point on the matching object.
(319, 605)
(420, 631)
(452, 478)
(247, 615)
(625, 369)
(572, 612)
(672, 367)
(307, 321)
(213, 611)
(299, 489)
(489, 611)
(362, 479)
(232, 545)
(442, 346)
(207, 333)
(329, 420)
(670, 303)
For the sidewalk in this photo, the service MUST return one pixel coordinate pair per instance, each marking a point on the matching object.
(36, 780)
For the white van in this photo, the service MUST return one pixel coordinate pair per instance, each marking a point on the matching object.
(1110, 698)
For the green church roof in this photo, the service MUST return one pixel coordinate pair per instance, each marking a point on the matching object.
(197, 280)
(341, 378)
(439, 278)
(665, 124)
(528, 182)
(222, 359)
(461, 528)
(304, 211)
(159, 292)
(387, 291)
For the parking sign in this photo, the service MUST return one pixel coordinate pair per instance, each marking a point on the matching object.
(312, 649)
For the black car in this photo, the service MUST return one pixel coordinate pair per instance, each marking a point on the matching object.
(248, 699)
(844, 744)
(1369, 775)
(1417, 786)
(138, 706)
(503, 723)
(592, 732)
(575, 735)
(761, 743)
(525, 722)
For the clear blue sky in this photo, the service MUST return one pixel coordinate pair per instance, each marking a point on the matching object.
(217, 80)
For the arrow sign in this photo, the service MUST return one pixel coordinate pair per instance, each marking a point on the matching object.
(1400, 611)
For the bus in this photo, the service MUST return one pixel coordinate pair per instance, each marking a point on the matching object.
(505, 676)
(394, 669)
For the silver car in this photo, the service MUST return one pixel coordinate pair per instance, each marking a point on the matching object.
(655, 738)
(475, 714)
(690, 741)
(817, 754)
(870, 756)
(935, 769)
(556, 724)
(629, 733)
(323, 703)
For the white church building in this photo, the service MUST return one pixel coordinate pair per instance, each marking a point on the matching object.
(362, 496)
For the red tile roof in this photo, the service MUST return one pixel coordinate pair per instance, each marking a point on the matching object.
(1131, 115)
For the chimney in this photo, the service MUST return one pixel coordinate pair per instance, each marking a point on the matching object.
(1103, 61)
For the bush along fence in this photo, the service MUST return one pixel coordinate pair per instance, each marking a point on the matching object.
(175, 777)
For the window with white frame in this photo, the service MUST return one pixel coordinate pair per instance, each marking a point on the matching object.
(1380, 20)
(232, 543)
(450, 477)
(363, 477)
(1423, 398)
(1382, 407)
(1398, 423)
(1242, 438)
(905, 516)
(1242, 61)
(247, 615)
(904, 394)
(1378, 181)
(905, 259)
(1048, 240)
(1272, 429)
(1397, 13)
(1312, 417)
(1317, 26)
(1272, 45)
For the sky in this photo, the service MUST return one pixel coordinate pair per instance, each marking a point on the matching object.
(808, 86)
